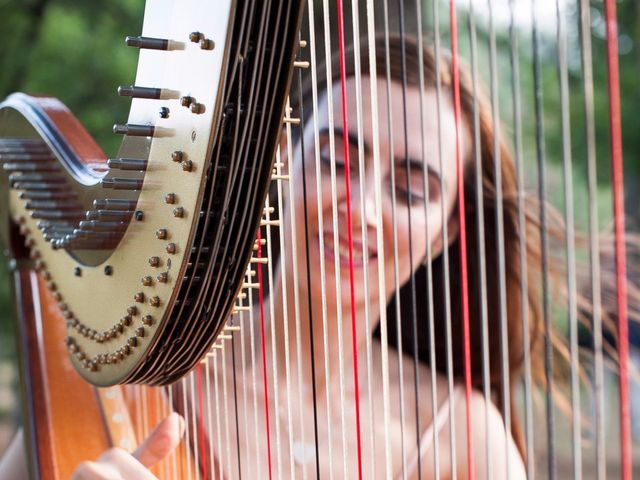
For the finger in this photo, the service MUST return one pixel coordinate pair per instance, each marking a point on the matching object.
(120, 465)
(161, 441)
(96, 471)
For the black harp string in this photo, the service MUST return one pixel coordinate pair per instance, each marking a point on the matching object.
(412, 280)
(480, 236)
(394, 219)
(584, 10)
(316, 141)
(563, 80)
(522, 239)
(308, 270)
(429, 267)
(544, 244)
(445, 241)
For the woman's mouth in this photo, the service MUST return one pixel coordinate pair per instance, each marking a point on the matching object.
(343, 251)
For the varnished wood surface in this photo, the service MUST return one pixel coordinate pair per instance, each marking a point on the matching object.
(62, 409)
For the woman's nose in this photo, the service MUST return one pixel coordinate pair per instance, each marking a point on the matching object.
(363, 205)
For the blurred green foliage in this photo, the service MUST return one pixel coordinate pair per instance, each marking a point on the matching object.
(72, 50)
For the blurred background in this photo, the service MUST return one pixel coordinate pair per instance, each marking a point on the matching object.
(74, 50)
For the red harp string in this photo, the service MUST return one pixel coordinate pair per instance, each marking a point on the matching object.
(464, 283)
(615, 131)
(347, 181)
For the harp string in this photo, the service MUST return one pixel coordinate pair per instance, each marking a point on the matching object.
(207, 371)
(264, 358)
(375, 128)
(347, 180)
(355, 14)
(522, 243)
(193, 399)
(335, 226)
(254, 367)
(325, 344)
(445, 242)
(480, 238)
(544, 246)
(188, 420)
(615, 131)
(499, 219)
(235, 401)
(285, 306)
(594, 236)
(463, 242)
(296, 292)
(285, 321)
(312, 347)
(216, 385)
(394, 222)
(414, 320)
(227, 413)
(172, 460)
(431, 319)
(569, 241)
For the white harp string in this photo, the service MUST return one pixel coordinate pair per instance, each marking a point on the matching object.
(594, 236)
(429, 267)
(355, 12)
(296, 290)
(480, 232)
(445, 251)
(522, 239)
(336, 238)
(285, 298)
(394, 221)
(384, 342)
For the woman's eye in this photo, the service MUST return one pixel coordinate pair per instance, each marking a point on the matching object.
(325, 154)
(410, 185)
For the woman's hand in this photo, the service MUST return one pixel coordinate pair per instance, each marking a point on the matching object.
(118, 464)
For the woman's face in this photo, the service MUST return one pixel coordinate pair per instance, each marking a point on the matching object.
(404, 237)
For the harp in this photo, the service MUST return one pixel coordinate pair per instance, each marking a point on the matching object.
(316, 244)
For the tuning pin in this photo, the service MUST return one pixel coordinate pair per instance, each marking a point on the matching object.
(134, 130)
(114, 204)
(127, 164)
(43, 195)
(140, 92)
(148, 43)
(109, 215)
(122, 183)
(100, 226)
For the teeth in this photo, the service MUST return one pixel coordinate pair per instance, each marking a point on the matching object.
(343, 250)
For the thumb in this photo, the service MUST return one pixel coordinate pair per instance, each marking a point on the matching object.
(161, 442)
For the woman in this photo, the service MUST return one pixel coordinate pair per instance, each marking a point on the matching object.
(416, 137)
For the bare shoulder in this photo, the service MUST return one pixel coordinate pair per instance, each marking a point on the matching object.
(495, 451)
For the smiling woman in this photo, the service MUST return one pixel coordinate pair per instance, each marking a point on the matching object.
(398, 290)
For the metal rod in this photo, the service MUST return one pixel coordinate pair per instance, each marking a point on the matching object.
(122, 183)
(139, 92)
(127, 164)
(148, 43)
